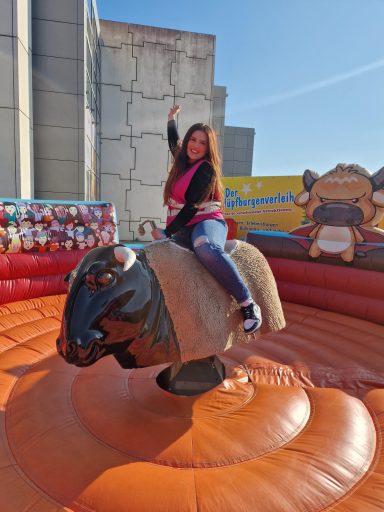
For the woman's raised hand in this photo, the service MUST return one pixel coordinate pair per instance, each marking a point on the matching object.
(173, 111)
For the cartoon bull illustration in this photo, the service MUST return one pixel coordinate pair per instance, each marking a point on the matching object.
(138, 307)
(342, 203)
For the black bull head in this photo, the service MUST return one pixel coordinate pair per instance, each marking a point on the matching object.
(115, 301)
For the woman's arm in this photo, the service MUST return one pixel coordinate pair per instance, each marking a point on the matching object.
(195, 193)
(173, 135)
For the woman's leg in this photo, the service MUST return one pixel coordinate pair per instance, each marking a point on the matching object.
(208, 238)
(183, 238)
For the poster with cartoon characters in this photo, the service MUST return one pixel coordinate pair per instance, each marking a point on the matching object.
(36, 226)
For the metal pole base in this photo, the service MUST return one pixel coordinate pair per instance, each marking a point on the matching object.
(192, 378)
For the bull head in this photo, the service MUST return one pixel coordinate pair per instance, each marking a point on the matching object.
(109, 285)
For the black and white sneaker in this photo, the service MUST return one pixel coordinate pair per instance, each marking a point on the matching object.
(252, 317)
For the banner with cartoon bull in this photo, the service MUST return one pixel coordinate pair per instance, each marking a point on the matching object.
(344, 208)
(342, 220)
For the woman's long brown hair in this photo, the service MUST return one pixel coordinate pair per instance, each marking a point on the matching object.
(180, 163)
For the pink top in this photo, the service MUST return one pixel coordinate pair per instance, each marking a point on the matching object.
(210, 209)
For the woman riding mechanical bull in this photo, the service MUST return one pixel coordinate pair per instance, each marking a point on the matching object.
(194, 195)
(138, 305)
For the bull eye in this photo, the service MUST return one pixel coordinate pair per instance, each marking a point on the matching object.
(105, 278)
(70, 278)
(322, 200)
(354, 201)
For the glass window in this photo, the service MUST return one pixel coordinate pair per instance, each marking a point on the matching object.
(89, 93)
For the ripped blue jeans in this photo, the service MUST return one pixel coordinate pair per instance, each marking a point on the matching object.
(207, 239)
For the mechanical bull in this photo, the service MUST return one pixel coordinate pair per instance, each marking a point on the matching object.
(341, 203)
(138, 307)
(114, 299)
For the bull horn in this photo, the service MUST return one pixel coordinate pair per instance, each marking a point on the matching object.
(309, 178)
(125, 255)
(377, 180)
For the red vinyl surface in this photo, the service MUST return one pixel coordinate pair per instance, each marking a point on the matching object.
(350, 291)
(26, 276)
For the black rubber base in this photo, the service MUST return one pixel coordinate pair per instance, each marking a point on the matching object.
(193, 377)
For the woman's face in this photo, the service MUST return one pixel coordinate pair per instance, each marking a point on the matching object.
(197, 146)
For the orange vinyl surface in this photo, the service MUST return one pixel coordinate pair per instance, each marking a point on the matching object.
(105, 439)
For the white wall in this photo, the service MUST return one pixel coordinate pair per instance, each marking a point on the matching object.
(145, 70)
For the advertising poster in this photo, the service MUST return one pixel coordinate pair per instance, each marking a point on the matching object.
(263, 203)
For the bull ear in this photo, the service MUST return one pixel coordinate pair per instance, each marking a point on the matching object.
(309, 178)
(377, 180)
(302, 198)
(125, 255)
(378, 198)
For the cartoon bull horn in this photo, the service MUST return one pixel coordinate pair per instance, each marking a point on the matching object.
(377, 180)
(125, 255)
(309, 178)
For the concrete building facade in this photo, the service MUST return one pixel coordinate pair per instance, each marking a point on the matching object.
(238, 151)
(218, 114)
(84, 104)
(16, 125)
(66, 99)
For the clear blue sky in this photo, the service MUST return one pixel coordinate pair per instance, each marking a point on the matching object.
(308, 75)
